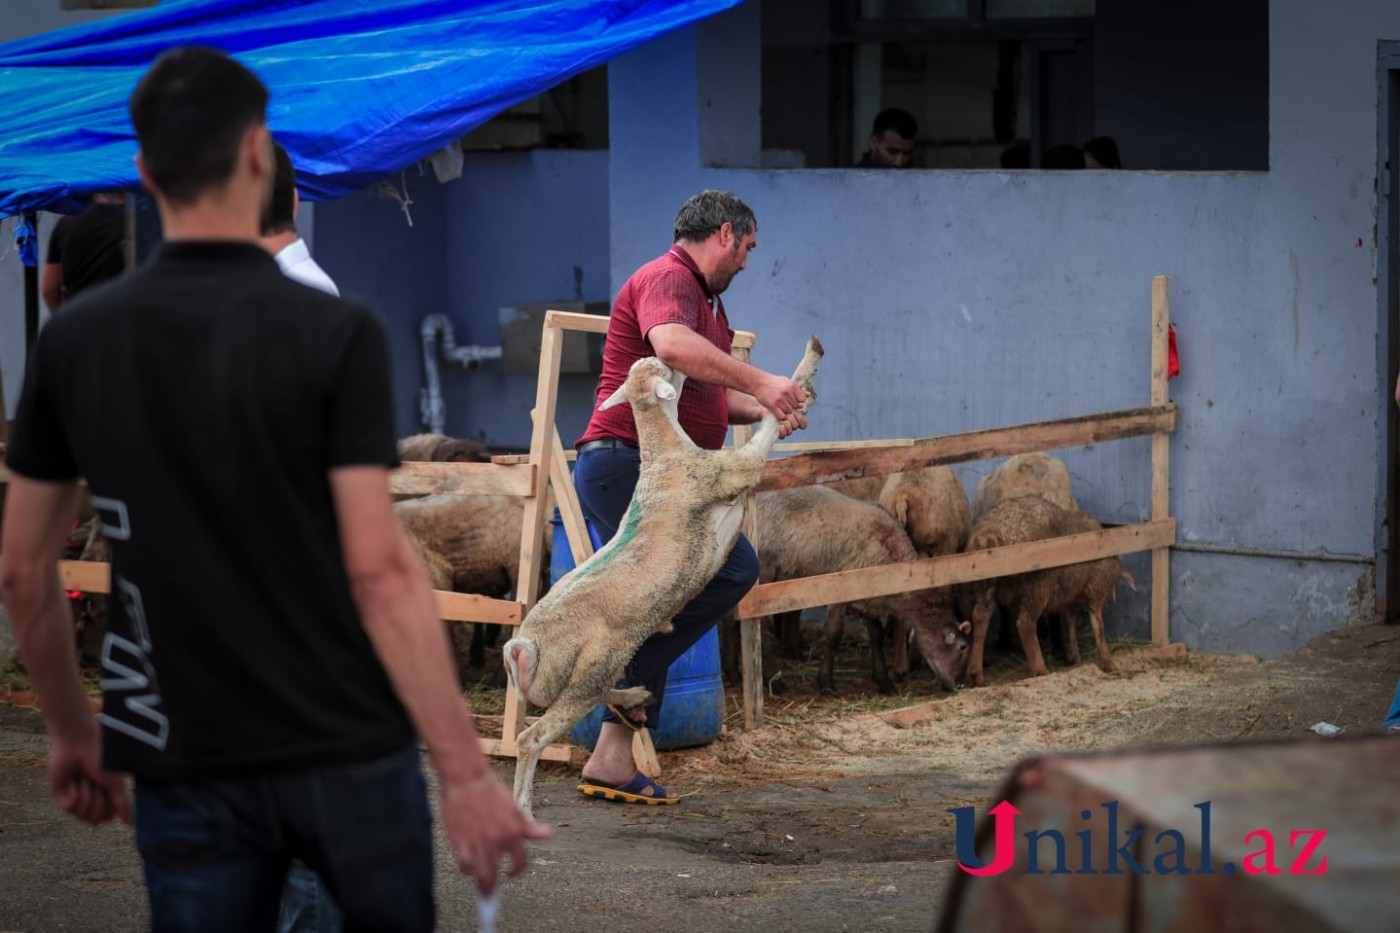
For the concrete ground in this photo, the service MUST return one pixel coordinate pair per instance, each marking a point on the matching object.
(842, 855)
(828, 819)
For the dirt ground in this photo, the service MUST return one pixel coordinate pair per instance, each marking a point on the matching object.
(827, 818)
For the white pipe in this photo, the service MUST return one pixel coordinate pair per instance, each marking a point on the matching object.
(432, 405)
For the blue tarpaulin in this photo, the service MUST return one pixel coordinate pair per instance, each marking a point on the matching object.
(360, 88)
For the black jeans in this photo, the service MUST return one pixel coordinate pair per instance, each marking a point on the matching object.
(605, 480)
(216, 852)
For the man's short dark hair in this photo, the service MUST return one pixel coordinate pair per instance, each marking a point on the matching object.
(281, 212)
(704, 213)
(190, 111)
(901, 121)
(1105, 151)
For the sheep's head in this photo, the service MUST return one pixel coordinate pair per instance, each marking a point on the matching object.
(649, 383)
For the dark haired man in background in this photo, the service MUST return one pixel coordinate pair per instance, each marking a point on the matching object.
(273, 640)
(891, 142)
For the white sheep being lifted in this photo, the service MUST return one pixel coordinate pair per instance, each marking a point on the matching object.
(683, 521)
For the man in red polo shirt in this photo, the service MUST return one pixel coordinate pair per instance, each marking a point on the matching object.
(670, 308)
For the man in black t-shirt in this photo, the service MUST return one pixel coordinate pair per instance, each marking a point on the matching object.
(85, 249)
(273, 640)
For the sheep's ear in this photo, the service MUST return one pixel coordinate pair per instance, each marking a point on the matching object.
(965, 627)
(617, 398)
(663, 389)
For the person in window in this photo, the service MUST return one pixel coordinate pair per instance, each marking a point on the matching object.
(891, 142)
(1101, 152)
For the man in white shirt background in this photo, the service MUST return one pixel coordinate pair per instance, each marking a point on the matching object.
(279, 233)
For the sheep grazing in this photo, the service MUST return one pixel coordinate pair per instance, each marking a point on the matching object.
(439, 448)
(682, 523)
(1035, 474)
(813, 530)
(931, 505)
(1070, 590)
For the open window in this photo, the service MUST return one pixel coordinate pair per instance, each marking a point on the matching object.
(1178, 84)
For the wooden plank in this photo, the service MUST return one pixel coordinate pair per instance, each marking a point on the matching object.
(750, 630)
(1161, 485)
(462, 479)
(744, 340)
(580, 544)
(575, 321)
(95, 577)
(847, 585)
(471, 607)
(805, 469)
(86, 575)
(908, 715)
(533, 521)
(786, 447)
(644, 754)
(498, 748)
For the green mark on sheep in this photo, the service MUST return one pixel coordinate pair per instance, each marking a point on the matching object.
(624, 535)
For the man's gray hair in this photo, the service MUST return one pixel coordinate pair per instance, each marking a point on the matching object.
(704, 213)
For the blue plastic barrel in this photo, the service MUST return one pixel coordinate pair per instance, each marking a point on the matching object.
(694, 710)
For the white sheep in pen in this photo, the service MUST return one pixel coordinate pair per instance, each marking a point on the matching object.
(682, 523)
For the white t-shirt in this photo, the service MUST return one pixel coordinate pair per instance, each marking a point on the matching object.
(295, 261)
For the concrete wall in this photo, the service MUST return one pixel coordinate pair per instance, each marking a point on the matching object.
(515, 228)
(954, 301)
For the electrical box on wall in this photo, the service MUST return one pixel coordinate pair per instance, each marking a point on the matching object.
(522, 325)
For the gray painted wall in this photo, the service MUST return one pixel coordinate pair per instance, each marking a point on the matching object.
(515, 228)
(954, 301)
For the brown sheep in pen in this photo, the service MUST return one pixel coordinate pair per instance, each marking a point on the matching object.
(1071, 590)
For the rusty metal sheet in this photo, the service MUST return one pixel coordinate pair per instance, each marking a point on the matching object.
(1195, 838)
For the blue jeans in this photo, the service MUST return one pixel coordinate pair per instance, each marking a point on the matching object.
(307, 907)
(216, 852)
(605, 479)
(1392, 717)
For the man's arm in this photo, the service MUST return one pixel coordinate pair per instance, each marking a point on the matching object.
(37, 518)
(51, 286)
(682, 348)
(400, 614)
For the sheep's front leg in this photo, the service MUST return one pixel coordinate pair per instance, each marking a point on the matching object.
(1029, 615)
(876, 631)
(835, 620)
(1101, 641)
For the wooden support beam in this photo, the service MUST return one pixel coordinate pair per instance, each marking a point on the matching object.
(470, 607)
(542, 439)
(462, 479)
(96, 577)
(575, 528)
(750, 630)
(1161, 486)
(847, 585)
(498, 748)
(790, 447)
(805, 469)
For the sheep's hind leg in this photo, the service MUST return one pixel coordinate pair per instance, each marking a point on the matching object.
(628, 698)
(557, 720)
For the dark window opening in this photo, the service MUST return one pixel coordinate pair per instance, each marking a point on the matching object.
(1176, 84)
